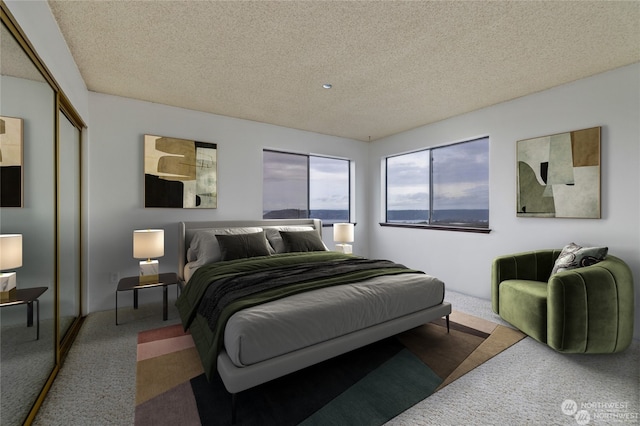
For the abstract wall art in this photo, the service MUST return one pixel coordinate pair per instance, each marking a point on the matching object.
(11, 172)
(559, 175)
(180, 173)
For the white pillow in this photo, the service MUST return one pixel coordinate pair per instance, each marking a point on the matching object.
(204, 247)
(575, 256)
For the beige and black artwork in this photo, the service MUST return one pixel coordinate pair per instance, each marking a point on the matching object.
(559, 175)
(180, 173)
(10, 162)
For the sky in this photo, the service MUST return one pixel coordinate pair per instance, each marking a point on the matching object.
(407, 181)
(329, 187)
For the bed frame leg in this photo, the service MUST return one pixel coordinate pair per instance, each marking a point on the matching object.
(233, 408)
(447, 324)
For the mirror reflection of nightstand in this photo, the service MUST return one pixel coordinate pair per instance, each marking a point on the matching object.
(27, 296)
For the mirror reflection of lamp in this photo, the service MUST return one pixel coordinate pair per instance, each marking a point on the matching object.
(343, 234)
(148, 243)
(10, 257)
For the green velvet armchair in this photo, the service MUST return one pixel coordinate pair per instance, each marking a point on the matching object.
(583, 310)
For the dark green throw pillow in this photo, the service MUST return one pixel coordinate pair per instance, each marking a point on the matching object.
(302, 241)
(243, 246)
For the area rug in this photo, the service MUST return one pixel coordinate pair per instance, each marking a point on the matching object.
(368, 386)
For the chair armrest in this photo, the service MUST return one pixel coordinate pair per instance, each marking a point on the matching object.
(531, 265)
(590, 309)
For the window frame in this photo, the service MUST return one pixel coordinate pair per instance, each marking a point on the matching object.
(430, 224)
(350, 174)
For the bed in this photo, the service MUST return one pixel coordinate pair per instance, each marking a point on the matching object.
(250, 338)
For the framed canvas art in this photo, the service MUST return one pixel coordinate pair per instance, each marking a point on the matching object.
(11, 168)
(559, 175)
(180, 173)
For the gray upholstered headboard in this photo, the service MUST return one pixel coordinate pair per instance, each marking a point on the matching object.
(188, 229)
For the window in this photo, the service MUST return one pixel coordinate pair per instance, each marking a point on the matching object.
(446, 186)
(408, 188)
(301, 186)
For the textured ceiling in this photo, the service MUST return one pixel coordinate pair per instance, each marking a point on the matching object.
(393, 65)
(14, 61)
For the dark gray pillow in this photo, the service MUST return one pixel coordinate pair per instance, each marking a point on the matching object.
(302, 241)
(574, 256)
(243, 246)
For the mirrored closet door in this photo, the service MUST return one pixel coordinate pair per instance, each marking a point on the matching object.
(27, 149)
(40, 206)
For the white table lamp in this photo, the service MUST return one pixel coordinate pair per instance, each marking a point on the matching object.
(148, 243)
(343, 234)
(10, 257)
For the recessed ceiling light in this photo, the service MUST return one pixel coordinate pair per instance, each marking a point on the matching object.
(327, 86)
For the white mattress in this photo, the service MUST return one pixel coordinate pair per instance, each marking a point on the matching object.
(189, 270)
(282, 326)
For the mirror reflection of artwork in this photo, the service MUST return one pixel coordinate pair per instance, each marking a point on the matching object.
(559, 175)
(10, 162)
(180, 173)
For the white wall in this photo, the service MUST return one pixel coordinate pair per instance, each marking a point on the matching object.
(463, 260)
(116, 181)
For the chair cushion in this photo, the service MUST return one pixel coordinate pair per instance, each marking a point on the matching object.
(523, 304)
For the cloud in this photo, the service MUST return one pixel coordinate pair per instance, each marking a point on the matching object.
(408, 169)
(466, 162)
(330, 202)
(410, 199)
(466, 195)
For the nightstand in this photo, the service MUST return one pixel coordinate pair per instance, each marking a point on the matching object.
(133, 283)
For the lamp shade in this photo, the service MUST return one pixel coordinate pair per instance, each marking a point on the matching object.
(343, 232)
(148, 243)
(10, 251)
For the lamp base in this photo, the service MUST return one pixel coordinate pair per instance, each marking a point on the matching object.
(149, 271)
(7, 286)
(344, 248)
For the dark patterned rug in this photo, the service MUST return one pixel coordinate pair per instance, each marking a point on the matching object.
(368, 386)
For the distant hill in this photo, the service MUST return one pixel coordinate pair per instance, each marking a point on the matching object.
(324, 215)
(285, 214)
